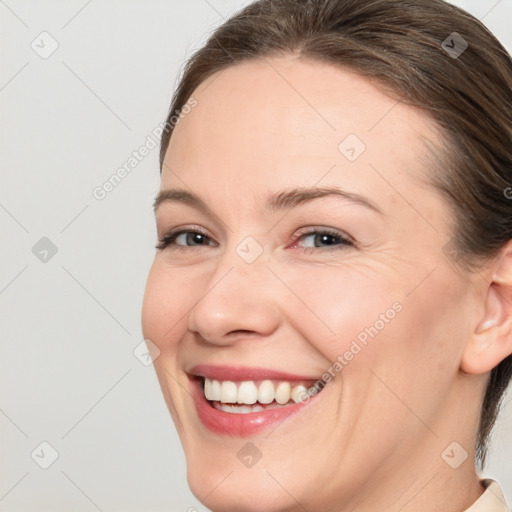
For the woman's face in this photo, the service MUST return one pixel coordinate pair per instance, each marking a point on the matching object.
(276, 280)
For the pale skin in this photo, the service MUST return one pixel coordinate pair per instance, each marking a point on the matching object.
(373, 439)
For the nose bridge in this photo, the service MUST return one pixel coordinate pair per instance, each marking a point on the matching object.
(239, 296)
(244, 260)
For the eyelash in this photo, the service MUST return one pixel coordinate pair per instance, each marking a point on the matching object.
(343, 240)
(169, 239)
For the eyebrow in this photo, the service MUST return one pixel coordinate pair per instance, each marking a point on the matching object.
(288, 199)
(284, 200)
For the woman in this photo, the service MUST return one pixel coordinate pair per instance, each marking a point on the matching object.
(331, 295)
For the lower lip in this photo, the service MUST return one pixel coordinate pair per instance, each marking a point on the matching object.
(240, 425)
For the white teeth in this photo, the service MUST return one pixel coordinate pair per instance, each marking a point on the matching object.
(228, 392)
(266, 392)
(237, 409)
(248, 393)
(215, 390)
(299, 393)
(208, 389)
(283, 392)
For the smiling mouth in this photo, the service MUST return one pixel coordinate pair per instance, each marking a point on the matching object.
(243, 401)
(249, 396)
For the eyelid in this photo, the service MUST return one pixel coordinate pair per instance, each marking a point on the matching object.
(309, 230)
(185, 228)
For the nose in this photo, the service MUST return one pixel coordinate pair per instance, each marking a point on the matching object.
(240, 300)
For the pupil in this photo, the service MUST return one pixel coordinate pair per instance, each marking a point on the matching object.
(195, 237)
(326, 239)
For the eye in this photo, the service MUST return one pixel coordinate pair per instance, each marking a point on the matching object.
(310, 240)
(318, 238)
(184, 239)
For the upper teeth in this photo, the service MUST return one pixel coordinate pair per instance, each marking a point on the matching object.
(249, 392)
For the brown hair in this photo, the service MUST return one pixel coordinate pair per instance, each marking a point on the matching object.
(408, 47)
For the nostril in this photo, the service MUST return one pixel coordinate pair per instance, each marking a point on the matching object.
(238, 332)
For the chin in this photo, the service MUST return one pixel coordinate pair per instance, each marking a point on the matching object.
(232, 489)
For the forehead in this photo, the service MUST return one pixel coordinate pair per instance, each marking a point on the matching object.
(287, 119)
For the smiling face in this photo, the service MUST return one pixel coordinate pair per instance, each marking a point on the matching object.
(306, 247)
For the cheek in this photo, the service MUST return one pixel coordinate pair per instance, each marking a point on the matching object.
(164, 323)
(415, 359)
(361, 319)
(341, 309)
(165, 306)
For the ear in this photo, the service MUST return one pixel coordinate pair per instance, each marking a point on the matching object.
(491, 341)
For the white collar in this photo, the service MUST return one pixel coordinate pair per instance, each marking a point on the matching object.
(492, 500)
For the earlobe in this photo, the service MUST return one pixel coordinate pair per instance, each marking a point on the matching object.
(491, 341)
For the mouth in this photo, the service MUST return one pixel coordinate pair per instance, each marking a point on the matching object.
(244, 401)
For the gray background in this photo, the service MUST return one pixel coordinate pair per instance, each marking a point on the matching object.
(70, 324)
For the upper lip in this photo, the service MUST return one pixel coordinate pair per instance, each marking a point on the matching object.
(244, 373)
